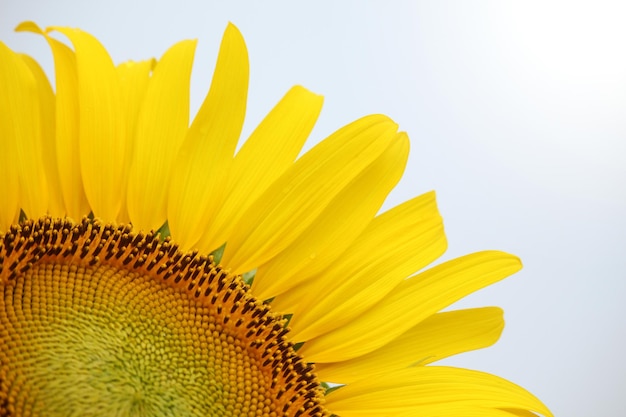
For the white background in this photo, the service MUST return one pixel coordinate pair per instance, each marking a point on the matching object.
(516, 115)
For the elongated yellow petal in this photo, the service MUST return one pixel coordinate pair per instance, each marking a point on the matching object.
(456, 410)
(67, 124)
(134, 78)
(10, 130)
(268, 152)
(520, 413)
(293, 202)
(404, 391)
(21, 125)
(395, 245)
(201, 170)
(409, 303)
(435, 338)
(56, 207)
(67, 136)
(337, 226)
(102, 132)
(161, 127)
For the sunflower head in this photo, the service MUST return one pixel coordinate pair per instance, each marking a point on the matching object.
(147, 268)
(95, 309)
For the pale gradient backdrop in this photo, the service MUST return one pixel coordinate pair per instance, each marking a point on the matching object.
(516, 115)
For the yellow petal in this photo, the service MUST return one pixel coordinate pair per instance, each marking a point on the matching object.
(408, 390)
(67, 124)
(395, 245)
(201, 170)
(409, 303)
(520, 413)
(134, 78)
(268, 152)
(435, 338)
(337, 226)
(161, 127)
(21, 127)
(56, 207)
(456, 410)
(11, 126)
(293, 202)
(102, 135)
(67, 136)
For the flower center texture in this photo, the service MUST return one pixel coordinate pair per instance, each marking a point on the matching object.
(98, 321)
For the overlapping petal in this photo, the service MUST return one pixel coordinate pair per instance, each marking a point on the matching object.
(20, 123)
(47, 123)
(409, 303)
(134, 79)
(330, 234)
(279, 137)
(293, 202)
(12, 103)
(438, 336)
(419, 388)
(102, 137)
(67, 124)
(465, 410)
(394, 245)
(201, 169)
(162, 124)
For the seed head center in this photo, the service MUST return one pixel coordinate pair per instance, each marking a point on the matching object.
(95, 321)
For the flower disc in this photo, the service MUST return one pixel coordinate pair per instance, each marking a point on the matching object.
(97, 321)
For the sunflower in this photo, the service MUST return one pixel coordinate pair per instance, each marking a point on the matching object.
(150, 269)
